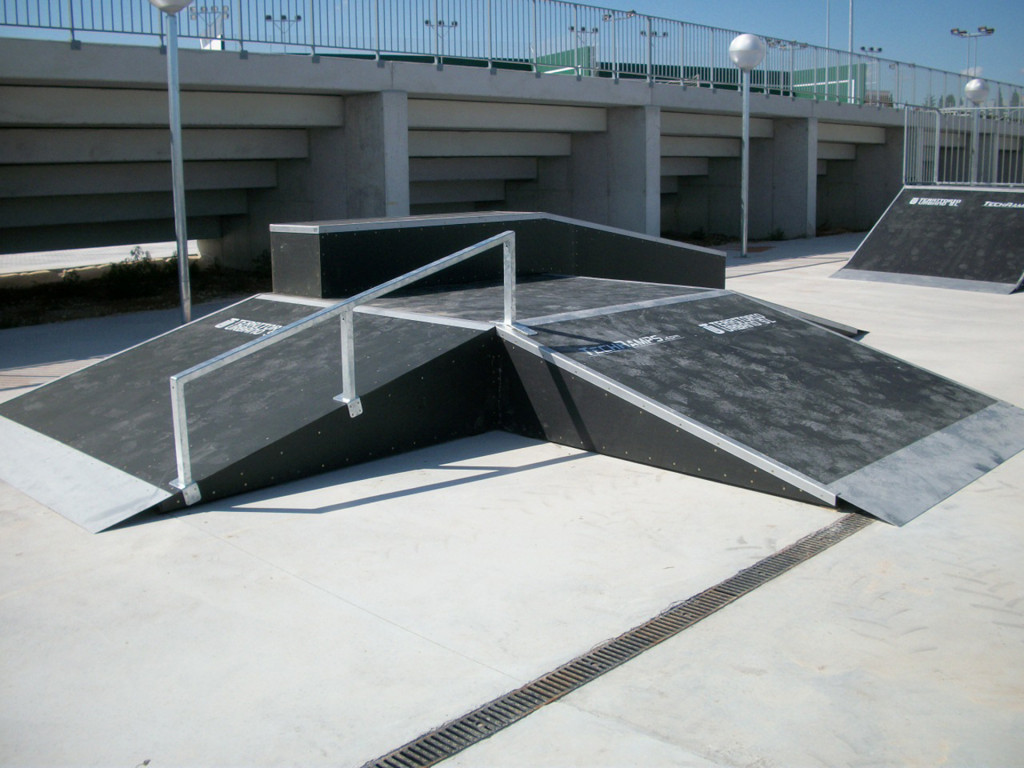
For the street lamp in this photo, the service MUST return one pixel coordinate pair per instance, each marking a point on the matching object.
(873, 96)
(171, 8)
(746, 52)
(611, 18)
(441, 28)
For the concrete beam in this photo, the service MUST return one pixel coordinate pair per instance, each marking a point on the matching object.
(438, 114)
(830, 151)
(850, 134)
(487, 144)
(433, 192)
(689, 124)
(27, 212)
(101, 179)
(118, 108)
(116, 145)
(683, 166)
(679, 146)
(471, 168)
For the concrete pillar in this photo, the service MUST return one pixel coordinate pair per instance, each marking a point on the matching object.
(877, 177)
(377, 154)
(360, 170)
(761, 195)
(794, 179)
(616, 175)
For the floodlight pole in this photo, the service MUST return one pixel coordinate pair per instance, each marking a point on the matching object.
(746, 52)
(170, 9)
(968, 36)
(849, 67)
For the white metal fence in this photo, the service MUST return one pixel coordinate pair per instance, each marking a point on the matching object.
(549, 37)
(964, 146)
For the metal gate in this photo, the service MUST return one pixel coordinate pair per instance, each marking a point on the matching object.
(962, 145)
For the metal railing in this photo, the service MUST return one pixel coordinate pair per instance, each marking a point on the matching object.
(549, 37)
(964, 146)
(344, 311)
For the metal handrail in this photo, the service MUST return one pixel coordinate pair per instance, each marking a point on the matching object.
(964, 146)
(344, 310)
(550, 37)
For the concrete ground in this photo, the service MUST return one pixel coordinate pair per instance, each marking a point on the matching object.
(329, 621)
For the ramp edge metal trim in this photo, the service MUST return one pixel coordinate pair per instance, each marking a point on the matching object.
(926, 281)
(475, 726)
(909, 482)
(715, 438)
(79, 487)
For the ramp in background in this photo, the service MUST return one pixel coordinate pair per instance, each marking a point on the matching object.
(969, 238)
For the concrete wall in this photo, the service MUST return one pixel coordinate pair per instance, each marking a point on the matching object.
(84, 149)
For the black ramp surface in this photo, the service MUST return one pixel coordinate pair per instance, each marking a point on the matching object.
(957, 237)
(119, 410)
(247, 420)
(241, 408)
(809, 399)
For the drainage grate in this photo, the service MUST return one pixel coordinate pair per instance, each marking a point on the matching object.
(457, 735)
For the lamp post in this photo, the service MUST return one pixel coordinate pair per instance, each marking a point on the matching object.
(976, 92)
(171, 8)
(746, 52)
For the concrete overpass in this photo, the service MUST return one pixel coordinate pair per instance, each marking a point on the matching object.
(84, 148)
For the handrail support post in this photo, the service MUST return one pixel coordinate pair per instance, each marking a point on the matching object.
(179, 421)
(348, 396)
(508, 250)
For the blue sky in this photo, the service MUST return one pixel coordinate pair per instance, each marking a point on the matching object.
(914, 31)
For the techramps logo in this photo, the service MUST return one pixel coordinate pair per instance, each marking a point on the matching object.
(938, 202)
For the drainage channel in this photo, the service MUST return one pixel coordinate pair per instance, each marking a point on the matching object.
(456, 735)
